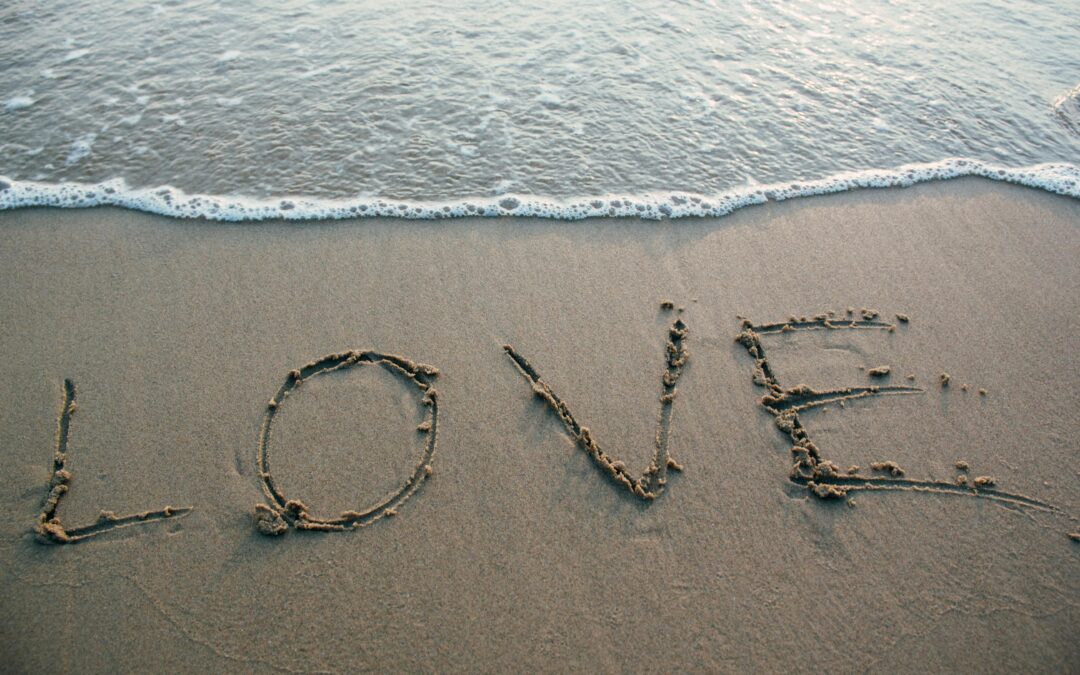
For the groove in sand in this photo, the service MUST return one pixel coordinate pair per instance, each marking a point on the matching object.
(275, 517)
(822, 477)
(653, 479)
(49, 529)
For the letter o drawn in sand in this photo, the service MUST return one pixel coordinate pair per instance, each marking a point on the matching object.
(281, 512)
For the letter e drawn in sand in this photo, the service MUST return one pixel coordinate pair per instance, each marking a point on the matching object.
(652, 481)
(823, 478)
(275, 517)
(49, 529)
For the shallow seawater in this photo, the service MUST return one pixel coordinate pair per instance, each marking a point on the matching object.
(444, 102)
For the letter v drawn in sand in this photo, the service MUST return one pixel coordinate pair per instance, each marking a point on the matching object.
(49, 529)
(281, 512)
(810, 468)
(652, 481)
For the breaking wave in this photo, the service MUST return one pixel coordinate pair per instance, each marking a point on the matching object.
(1059, 178)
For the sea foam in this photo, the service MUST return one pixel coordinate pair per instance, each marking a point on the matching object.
(1059, 178)
(18, 103)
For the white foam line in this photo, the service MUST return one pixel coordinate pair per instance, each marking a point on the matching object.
(1059, 178)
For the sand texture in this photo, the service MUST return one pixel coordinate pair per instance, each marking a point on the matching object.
(838, 433)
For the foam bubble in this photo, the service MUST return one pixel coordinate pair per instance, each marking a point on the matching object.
(1060, 178)
(1067, 108)
(18, 103)
(550, 99)
(80, 148)
(75, 54)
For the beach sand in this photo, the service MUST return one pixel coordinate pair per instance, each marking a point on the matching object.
(519, 552)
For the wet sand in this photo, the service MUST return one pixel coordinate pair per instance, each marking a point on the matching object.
(515, 519)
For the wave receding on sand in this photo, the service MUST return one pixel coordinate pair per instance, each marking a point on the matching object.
(1059, 178)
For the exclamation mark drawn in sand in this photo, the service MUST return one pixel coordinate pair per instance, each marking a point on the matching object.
(822, 477)
(650, 484)
(49, 529)
(281, 512)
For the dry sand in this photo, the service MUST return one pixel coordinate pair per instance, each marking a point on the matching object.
(519, 551)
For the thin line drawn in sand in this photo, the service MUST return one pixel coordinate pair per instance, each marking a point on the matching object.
(822, 477)
(49, 529)
(280, 513)
(653, 479)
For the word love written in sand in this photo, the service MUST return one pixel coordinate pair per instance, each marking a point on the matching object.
(810, 469)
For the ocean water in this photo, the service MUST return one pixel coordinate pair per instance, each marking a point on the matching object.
(652, 108)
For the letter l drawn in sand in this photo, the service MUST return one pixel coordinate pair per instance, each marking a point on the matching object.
(49, 529)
